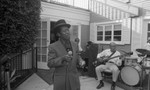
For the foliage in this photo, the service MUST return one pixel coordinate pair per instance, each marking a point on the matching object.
(19, 23)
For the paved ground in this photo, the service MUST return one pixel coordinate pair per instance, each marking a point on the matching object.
(36, 83)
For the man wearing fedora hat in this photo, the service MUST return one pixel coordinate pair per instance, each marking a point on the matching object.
(63, 57)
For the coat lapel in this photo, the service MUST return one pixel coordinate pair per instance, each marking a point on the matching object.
(61, 47)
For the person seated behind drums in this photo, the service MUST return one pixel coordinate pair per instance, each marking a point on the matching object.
(147, 47)
(111, 65)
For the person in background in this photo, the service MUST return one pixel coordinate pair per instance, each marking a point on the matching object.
(85, 55)
(80, 69)
(63, 57)
(77, 40)
(147, 46)
(89, 43)
(111, 65)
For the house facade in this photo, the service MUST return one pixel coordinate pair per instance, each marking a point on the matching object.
(78, 18)
(126, 23)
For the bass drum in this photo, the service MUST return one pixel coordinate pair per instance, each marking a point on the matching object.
(132, 75)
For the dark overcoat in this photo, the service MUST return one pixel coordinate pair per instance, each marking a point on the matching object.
(66, 77)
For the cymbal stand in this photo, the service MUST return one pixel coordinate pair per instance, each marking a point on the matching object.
(141, 83)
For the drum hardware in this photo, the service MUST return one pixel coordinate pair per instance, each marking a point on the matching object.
(143, 51)
(133, 73)
(146, 62)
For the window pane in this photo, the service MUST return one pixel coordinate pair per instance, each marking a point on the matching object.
(100, 28)
(107, 38)
(39, 50)
(44, 41)
(44, 58)
(148, 34)
(99, 33)
(149, 27)
(108, 28)
(99, 38)
(107, 32)
(44, 25)
(117, 38)
(117, 26)
(44, 33)
(117, 32)
(44, 51)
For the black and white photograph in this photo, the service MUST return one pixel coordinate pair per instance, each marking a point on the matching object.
(74, 44)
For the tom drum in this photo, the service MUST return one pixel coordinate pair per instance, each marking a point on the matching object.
(130, 61)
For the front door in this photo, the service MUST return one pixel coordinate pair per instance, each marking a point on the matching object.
(42, 43)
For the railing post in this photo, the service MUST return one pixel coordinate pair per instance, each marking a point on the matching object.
(32, 58)
(7, 81)
(36, 59)
(21, 54)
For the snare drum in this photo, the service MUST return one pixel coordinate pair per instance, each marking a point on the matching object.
(146, 62)
(130, 61)
(131, 75)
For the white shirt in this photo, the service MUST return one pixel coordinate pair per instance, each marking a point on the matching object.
(107, 53)
(147, 46)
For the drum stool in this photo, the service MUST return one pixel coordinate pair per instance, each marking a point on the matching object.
(108, 73)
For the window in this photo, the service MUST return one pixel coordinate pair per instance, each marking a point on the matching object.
(118, 31)
(99, 33)
(148, 32)
(109, 32)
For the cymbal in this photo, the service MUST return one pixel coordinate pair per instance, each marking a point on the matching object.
(143, 51)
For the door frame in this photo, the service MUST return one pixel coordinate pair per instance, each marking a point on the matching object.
(41, 64)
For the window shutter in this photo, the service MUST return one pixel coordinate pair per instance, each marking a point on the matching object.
(93, 33)
(126, 30)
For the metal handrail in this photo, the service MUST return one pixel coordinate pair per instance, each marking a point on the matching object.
(19, 67)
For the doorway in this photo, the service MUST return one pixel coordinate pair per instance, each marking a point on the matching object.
(53, 37)
(42, 43)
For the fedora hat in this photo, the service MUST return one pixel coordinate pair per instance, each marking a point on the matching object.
(60, 23)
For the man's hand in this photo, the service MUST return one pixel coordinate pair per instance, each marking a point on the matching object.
(66, 58)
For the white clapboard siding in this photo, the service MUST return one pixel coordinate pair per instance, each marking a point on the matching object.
(126, 30)
(92, 32)
(136, 33)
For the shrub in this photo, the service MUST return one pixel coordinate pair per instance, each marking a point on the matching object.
(19, 23)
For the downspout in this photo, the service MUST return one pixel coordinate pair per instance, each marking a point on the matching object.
(131, 31)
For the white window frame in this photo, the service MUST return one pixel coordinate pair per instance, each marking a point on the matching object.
(112, 32)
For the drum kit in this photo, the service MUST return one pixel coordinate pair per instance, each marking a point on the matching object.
(133, 73)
